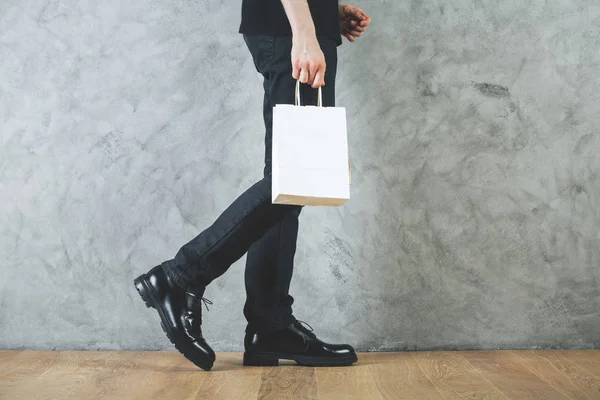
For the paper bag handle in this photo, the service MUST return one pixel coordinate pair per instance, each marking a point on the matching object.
(319, 98)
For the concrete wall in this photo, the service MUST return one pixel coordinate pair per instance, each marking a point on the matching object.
(126, 127)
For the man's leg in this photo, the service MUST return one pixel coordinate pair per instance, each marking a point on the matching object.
(270, 260)
(175, 288)
(212, 252)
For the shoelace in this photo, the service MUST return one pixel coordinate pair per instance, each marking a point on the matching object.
(310, 333)
(193, 315)
(196, 301)
(206, 303)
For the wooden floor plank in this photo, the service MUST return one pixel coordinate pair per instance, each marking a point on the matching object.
(152, 375)
(6, 356)
(109, 375)
(454, 377)
(229, 379)
(586, 359)
(26, 374)
(477, 375)
(506, 371)
(556, 370)
(398, 377)
(288, 382)
(348, 383)
(17, 363)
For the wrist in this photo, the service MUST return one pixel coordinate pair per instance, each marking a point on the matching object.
(304, 33)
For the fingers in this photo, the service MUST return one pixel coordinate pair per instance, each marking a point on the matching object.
(356, 34)
(319, 79)
(304, 75)
(313, 67)
(351, 34)
(317, 74)
(362, 16)
(355, 23)
(359, 17)
(355, 26)
(296, 70)
(312, 73)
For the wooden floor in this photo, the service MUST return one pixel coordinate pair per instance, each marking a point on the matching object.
(518, 375)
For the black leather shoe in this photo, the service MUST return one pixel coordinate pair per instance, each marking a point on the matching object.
(180, 313)
(295, 343)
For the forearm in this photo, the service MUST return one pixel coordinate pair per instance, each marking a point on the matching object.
(300, 18)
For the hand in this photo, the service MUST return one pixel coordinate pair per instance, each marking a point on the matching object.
(308, 60)
(353, 22)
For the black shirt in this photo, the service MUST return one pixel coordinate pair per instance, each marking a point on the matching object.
(268, 17)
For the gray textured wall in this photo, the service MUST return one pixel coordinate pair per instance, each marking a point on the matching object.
(126, 127)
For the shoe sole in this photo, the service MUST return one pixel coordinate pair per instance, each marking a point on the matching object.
(149, 296)
(272, 360)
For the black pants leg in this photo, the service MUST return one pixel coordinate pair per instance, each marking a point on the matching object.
(270, 260)
(268, 232)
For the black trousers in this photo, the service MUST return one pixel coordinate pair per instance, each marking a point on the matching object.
(252, 224)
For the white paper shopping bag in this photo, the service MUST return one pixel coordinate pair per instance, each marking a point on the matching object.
(310, 154)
